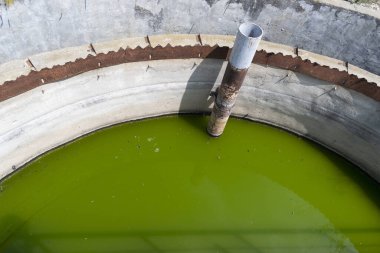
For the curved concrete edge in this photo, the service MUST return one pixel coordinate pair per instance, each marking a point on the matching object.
(56, 113)
(351, 7)
(361, 73)
(66, 63)
(323, 60)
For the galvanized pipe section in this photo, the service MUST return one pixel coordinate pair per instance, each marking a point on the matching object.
(243, 51)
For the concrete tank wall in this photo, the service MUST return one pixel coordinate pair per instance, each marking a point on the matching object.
(31, 27)
(50, 115)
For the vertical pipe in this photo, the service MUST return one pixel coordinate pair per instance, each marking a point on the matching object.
(243, 51)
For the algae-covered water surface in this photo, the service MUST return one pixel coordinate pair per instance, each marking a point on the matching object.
(164, 185)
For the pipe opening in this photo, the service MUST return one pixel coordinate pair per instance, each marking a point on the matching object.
(250, 30)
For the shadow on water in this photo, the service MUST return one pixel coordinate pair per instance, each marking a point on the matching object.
(367, 184)
(196, 98)
(14, 236)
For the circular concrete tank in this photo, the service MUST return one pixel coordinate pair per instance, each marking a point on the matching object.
(85, 65)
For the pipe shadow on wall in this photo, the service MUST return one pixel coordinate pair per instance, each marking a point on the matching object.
(196, 98)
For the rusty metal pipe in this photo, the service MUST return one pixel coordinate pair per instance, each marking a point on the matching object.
(243, 51)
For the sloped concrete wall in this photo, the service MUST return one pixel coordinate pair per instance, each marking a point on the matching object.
(31, 27)
(45, 117)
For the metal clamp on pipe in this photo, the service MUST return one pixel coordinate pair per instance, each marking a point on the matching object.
(243, 51)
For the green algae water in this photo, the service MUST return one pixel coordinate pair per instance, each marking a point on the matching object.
(164, 185)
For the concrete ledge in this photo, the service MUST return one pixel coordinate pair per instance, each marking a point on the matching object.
(352, 7)
(53, 114)
(275, 48)
(220, 40)
(363, 74)
(65, 63)
(60, 57)
(175, 40)
(322, 60)
(115, 45)
(10, 71)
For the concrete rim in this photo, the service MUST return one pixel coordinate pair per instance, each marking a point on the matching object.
(19, 76)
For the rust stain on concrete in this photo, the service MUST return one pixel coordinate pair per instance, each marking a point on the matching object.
(48, 75)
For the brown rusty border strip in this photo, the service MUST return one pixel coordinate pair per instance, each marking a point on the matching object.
(37, 78)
